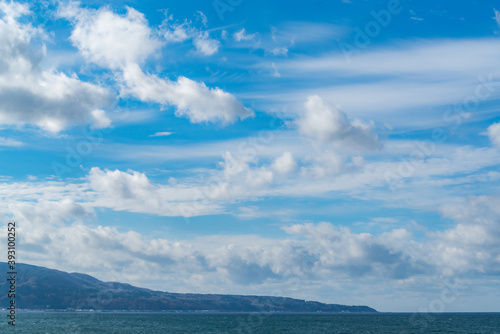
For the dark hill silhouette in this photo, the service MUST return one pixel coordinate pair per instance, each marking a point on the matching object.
(40, 288)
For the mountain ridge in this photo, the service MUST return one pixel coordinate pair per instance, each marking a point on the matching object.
(40, 288)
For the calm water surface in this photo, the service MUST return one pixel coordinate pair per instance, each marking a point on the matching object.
(123, 323)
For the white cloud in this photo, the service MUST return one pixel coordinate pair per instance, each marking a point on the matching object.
(285, 163)
(239, 178)
(50, 230)
(31, 94)
(117, 184)
(323, 164)
(205, 44)
(472, 246)
(46, 213)
(174, 33)
(494, 133)
(13, 10)
(242, 35)
(192, 99)
(125, 191)
(132, 191)
(328, 124)
(161, 134)
(101, 120)
(108, 39)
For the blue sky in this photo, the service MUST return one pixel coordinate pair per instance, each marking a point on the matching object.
(339, 151)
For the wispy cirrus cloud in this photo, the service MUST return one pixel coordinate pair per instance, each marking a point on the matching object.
(161, 134)
(497, 17)
(10, 142)
(173, 32)
(409, 76)
(242, 35)
(417, 59)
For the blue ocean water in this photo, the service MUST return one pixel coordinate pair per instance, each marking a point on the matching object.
(257, 323)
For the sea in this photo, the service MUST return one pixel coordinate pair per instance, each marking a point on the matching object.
(256, 323)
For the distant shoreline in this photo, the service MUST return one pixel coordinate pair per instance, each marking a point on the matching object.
(181, 312)
(2, 311)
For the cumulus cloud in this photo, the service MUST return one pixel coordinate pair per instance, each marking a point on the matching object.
(344, 252)
(205, 44)
(54, 235)
(285, 163)
(51, 228)
(132, 191)
(193, 99)
(242, 176)
(328, 124)
(101, 120)
(52, 212)
(123, 42)
(238, 178)
(108, 39)
(323, 164)
(494, 133)
(288, 171)
(53, 215)
(472, 246)
(31, 94)
(117, 184)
